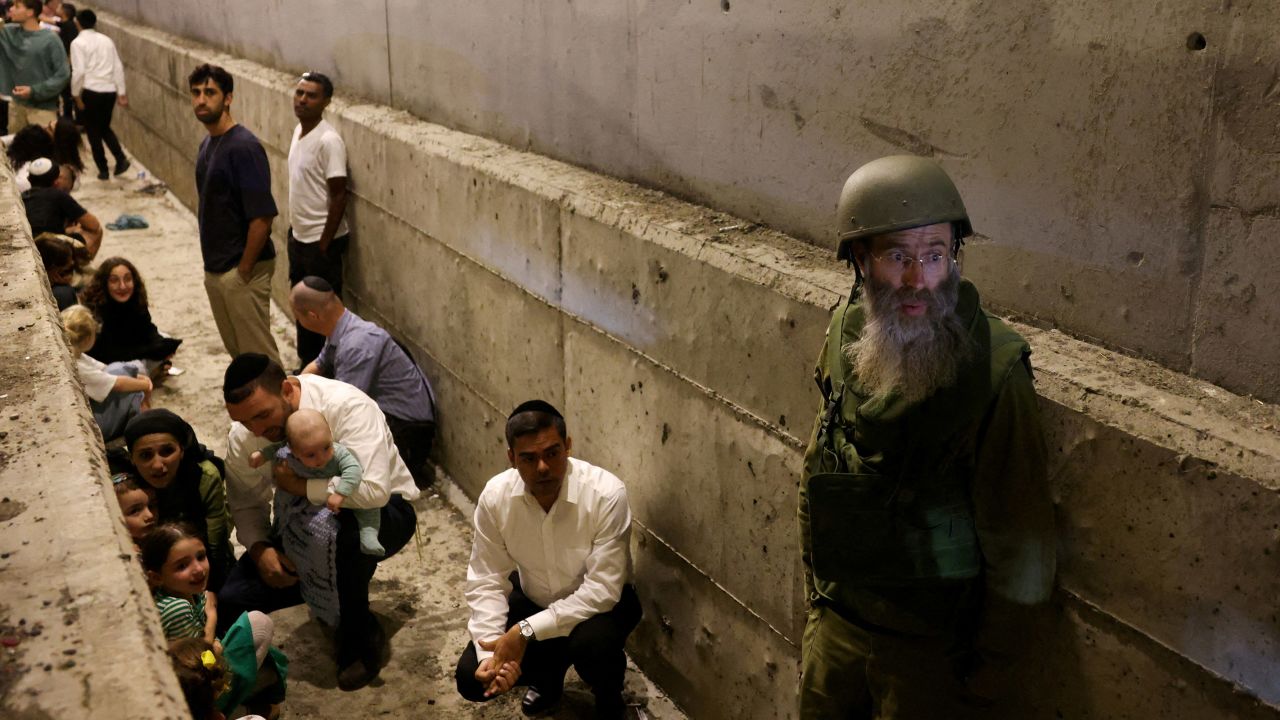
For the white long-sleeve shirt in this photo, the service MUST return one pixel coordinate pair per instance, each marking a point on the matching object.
(95, 64)
(355, 421)
(573, 560)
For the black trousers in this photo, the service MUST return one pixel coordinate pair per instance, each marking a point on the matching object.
(98, 109)
(413, 440)
(69, 108)
(359, 636)
(306, 259)
(594, 648)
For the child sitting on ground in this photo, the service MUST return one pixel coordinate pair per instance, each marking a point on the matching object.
(116, 392)
(59, 267)
(137, 503)
(177, 570)
(204, 676)
(311, 453)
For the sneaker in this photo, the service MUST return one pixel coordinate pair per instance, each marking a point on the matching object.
(122, 167)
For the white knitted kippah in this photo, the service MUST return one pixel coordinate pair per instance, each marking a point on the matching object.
(39, 166)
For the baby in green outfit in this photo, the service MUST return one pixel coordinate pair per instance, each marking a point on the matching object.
(311, 453)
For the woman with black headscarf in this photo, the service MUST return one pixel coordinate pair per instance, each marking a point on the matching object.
(188, 479)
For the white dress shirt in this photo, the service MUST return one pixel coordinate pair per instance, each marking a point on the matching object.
(355, 421)
(95, 64)
(573, 560)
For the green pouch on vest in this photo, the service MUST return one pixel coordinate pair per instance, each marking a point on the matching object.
(866, 531)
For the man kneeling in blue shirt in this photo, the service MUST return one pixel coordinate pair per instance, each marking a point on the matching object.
(362, 354)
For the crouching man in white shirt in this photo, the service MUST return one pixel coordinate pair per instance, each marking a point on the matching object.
(564, 527)
(307, 554)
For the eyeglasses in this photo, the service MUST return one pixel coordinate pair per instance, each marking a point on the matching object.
(932, 264)
(119, 478)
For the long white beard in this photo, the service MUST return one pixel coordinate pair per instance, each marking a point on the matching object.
(915, 356)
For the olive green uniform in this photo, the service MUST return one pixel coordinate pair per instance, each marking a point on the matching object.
(927, 531)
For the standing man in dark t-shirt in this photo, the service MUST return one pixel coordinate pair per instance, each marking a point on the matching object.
(236, 210)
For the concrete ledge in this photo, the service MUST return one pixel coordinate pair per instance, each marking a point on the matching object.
(681, 341)
(1131, 203)
(89, 643)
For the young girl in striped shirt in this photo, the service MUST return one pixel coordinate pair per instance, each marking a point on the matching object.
(177, 569)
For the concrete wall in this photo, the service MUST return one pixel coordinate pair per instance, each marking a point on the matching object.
(81, 636)
(682, 350)
(1116, 158)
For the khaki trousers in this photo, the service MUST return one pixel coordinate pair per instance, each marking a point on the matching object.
(848, 673)
(21, 116)
(242, 310)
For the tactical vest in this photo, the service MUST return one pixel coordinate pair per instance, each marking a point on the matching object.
(885, 501)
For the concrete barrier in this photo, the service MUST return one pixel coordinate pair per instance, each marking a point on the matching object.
(680, 342)
(1117, 159)
(81, 636)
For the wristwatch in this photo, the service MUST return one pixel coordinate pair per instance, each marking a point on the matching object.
(526, 630)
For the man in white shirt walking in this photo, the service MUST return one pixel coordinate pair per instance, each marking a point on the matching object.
(97, 84)
(564, 526)
(318, 234)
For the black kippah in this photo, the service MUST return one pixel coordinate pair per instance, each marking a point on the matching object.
(246, 368)
(541, 406)
(317, 283)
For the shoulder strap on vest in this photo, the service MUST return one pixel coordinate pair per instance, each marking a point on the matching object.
(1007, 349)
(837, 363)
(836, 367)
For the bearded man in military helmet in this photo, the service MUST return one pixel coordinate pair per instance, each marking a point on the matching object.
(926, 522)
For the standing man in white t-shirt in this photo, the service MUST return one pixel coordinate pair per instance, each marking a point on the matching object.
(318, 234)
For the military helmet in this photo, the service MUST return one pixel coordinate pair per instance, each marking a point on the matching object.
(898, 192)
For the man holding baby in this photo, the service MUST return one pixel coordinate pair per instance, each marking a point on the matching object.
(309, 554)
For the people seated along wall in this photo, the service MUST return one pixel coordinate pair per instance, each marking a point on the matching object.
(50, 209)
(177, 569)
(117, 392)
(28, 144)
(118, 297)
(59, 267)
(189, 482)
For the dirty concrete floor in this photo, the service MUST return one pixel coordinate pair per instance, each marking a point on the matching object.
(417, 594)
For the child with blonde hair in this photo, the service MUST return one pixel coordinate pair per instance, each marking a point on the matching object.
(117, 391)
